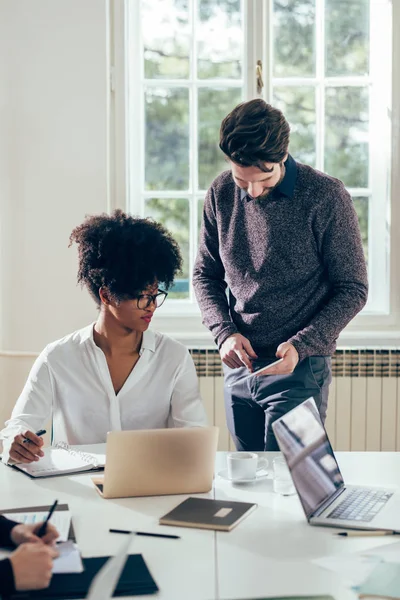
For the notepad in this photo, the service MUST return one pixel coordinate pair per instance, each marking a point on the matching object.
(135, 580)
(63, 460)
(69, 559)
(205, 513)
(34, 514)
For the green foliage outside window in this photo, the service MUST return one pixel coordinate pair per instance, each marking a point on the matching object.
(167, 108)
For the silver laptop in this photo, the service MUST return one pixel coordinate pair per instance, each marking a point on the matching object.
(152, 462)
(326, 499)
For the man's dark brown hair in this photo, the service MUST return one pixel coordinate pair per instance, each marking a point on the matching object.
(254, 133)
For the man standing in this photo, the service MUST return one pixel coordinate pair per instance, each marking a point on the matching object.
(285, 240)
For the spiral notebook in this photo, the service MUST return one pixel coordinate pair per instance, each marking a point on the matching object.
(61, 459)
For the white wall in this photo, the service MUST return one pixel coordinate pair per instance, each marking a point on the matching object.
(53, 169)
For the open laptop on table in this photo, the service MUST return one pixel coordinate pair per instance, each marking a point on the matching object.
(154, 462)
(326, 499)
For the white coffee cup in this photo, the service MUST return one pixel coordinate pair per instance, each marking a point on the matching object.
(244, 465)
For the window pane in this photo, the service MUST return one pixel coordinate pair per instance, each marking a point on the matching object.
(200, 205)
(219, 33)
(298, 106)
(293, 38)
(347, 37)
(167, 139)
(214, 105)
(166, 38)
(361, 206)
(346, 135)
(173, 213)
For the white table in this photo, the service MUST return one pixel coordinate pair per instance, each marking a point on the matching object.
(268, 553)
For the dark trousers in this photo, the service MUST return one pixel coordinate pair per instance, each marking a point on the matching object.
(252, 406)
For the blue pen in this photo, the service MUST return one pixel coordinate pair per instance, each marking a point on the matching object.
(38, 433)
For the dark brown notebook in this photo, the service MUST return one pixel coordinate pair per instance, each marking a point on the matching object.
(204, 513)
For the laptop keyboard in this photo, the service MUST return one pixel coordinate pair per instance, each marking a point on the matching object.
(360, 505)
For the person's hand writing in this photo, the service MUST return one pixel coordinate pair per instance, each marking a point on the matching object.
(32, 566)
(236, 351)
(290, 359)
(22, 534)
(28, 452)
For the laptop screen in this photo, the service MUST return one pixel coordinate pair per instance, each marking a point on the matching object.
(309, 455)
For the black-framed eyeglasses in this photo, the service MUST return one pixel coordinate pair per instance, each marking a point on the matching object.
(144, 300)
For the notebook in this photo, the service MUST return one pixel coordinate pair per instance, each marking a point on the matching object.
(61, 518)
(383, 582)
(62, 460)
(204, 513)
(135, 580)
(69, 558)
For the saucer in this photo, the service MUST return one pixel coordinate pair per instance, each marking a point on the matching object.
(262, 474)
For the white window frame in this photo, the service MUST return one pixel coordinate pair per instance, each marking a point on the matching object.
(379, 128)
(136, 189)
(181, 318)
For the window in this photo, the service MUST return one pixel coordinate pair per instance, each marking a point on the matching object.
(192, 74)
(326, 64)
(330, 73)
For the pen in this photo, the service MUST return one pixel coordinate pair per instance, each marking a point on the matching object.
(42, 530)
(39, 433)
(366, 533)
(159, 535)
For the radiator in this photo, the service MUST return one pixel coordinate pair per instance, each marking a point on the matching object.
(364, 398)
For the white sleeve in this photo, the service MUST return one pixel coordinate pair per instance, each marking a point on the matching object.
(34, 406)
(187, 408)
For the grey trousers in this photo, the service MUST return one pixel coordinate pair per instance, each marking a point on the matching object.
(252, 406)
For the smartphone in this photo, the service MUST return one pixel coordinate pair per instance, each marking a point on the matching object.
(276, 362)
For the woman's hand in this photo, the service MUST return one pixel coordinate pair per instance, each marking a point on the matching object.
(23, 534)
(28, 452)
(32, 566)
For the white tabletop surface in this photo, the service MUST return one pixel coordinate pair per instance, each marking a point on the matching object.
(269, 553)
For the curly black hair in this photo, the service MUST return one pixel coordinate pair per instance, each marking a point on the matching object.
(124, 254)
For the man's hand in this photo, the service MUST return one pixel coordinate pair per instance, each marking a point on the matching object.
(236, 351)
(290, 359)
(32, 566)
(22, 534)
(30, 451)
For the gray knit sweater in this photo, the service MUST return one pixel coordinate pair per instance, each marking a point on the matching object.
(293, 263)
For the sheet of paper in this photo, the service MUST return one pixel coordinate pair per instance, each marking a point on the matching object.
(61, 519)
(389, 552)
(56, 460)
(69, 560)
(353, 570)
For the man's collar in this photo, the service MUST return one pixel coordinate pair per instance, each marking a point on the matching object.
(286, 186)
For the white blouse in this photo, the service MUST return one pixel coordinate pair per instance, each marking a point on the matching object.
(70, 384)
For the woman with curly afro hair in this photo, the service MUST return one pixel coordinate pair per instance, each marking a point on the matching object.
(115, 373)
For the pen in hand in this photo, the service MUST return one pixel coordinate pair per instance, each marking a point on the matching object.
(42, 530)
(158, 535)
(38, 433)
